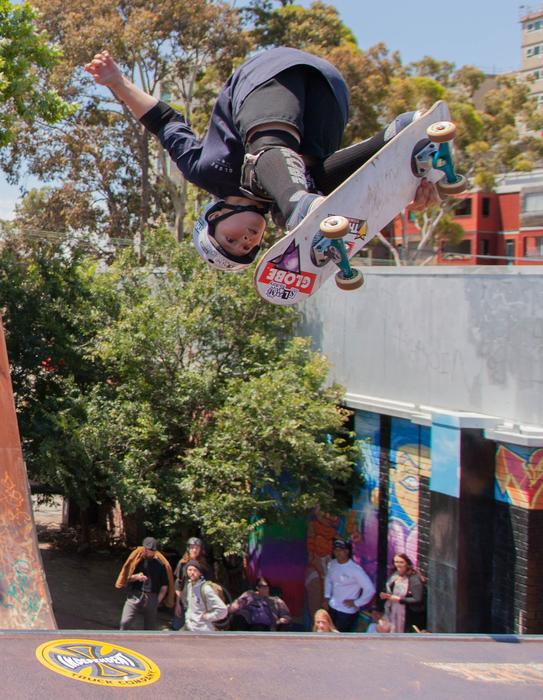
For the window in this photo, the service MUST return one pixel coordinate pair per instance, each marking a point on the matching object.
(533, 247)
(463, 208)
(484, 246)
(532, 203)
(533, 50)
(456, 251)
(534, 26)
(486, 206)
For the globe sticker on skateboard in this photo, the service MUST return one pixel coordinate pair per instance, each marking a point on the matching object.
(345, 221)
(99, 663)
(283, 274)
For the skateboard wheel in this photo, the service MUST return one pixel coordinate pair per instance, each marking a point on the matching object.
(350, 283)
(439, 132)
(447, 188)
(334, 227)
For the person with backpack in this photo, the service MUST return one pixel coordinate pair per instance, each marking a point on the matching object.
(258, 611)
(202, 604)
(194, 551)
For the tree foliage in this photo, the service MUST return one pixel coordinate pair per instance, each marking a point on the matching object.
(167, 387)
(102, 159)
(208, 391)
(26, 61)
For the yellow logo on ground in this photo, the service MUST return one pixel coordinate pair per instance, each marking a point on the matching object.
(101, 663)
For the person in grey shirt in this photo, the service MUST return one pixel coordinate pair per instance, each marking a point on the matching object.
(203, 606)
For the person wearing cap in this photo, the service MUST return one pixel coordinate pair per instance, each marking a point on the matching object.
(273, 142)
(203, 606)
(347, 588)
(194, 551)
(148, 576)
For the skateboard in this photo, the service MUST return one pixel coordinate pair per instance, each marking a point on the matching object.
(297, 265)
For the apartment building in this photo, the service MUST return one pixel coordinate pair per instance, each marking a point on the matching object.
(531, 56)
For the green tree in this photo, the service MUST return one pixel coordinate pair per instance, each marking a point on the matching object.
(208, 396)
(496, 133)
(50, 314)
(102, 158)
(26, 61)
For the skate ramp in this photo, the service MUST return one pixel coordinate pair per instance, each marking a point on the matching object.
(268, 666)
(24, 597)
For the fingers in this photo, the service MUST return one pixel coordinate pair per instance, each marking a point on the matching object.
(100, 60)
(425, 196)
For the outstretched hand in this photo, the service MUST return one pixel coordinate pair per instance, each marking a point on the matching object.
(104, 70)
(425, 197)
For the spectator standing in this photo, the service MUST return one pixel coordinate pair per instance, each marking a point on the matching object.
(149, 578)
(195, 552)
(347, 588)
(258, 611)
(404, 596)
(203, 606)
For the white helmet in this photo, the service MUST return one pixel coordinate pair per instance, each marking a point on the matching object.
(203, 236)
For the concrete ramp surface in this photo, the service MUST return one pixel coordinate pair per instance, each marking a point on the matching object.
(24, 597)
(267, 666)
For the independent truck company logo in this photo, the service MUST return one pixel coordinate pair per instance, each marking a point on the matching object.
(99, 663)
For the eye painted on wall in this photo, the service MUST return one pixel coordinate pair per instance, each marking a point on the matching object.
(410, 482)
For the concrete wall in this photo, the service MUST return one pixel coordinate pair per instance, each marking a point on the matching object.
(466, 340)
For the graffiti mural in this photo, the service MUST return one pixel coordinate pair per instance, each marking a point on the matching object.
(278, 552)
(409, 460)
(519, 476)
(24, 596)
(362, 524)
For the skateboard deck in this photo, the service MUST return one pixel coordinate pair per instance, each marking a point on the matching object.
(297, 265)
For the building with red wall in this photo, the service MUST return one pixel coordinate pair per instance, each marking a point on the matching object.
(504, 227)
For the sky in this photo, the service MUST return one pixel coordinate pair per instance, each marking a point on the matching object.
(484, 33)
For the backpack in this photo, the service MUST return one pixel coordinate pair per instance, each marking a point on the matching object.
(224, 596)
(261, 613)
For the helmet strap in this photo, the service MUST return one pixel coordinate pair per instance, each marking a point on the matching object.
(234, 209)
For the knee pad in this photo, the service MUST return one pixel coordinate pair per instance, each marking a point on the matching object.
(260, 142)
(272, 138)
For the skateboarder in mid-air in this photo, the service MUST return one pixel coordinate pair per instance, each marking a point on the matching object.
(272, 144)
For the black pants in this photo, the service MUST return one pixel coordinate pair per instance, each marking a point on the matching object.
(345, 622)
(301, 97)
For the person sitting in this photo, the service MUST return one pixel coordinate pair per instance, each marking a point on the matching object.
(376, 615)
(322, 622)
(258, 611)
(384, 626)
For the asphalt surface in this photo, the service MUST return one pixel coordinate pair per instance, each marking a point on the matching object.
(283, 666)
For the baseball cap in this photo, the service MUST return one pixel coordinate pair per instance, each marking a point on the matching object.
(150, 543)
(340, 544)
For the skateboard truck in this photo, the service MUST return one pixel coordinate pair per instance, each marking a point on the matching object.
(334, 228)
(437, 154)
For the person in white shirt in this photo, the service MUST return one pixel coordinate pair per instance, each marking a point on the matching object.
(347, 588)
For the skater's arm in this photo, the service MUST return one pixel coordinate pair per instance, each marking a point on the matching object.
(106, 72)
(159, 118)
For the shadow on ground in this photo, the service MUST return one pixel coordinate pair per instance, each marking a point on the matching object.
(82, 588)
